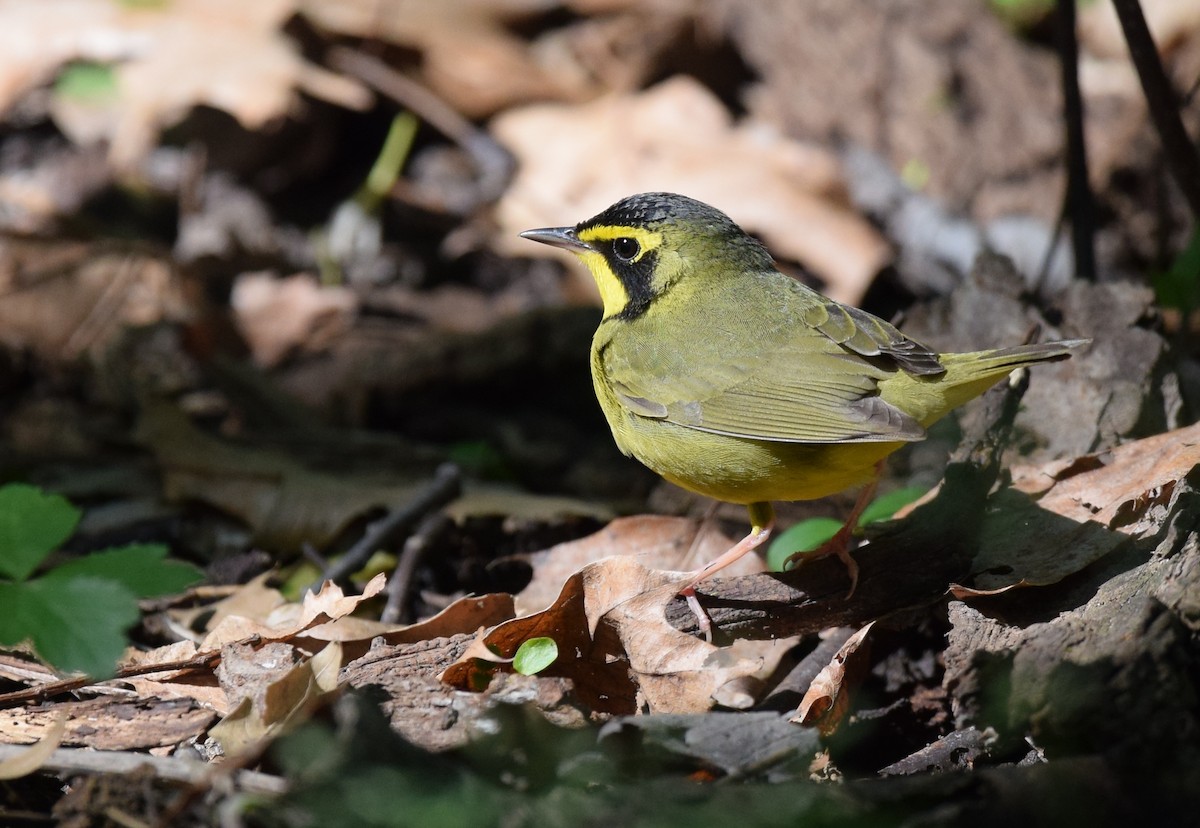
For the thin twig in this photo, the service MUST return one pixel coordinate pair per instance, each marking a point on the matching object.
(175, 768)
(70, 685)
(444, 487)
(1163, 103)
(1080, 204)
(415, 548)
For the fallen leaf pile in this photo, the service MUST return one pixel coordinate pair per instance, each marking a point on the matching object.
(251, 662)
(258, 662)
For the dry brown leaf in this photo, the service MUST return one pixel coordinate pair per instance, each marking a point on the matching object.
(354, 635)
(270, 695)
(615, 644)
(253, 599)
(1117, 488)
(467, 614)
(1085, 508)
(469, 58)
(657, 542)
(278, 316)
(59, 312)
(828, 697)
(289, 620)
(576, 160)
(167, 58)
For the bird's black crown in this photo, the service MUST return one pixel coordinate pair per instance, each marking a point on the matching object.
(648, 209)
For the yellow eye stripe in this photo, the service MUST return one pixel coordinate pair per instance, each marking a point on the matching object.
(646, 239)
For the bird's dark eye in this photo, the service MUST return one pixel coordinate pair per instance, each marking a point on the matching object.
(626, 249)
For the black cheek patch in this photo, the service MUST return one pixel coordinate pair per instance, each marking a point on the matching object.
(638, 280)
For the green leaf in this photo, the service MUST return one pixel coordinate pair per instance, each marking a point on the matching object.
(1179, 286)
(1022, 14)
(882, 508)
(32, 525)
(805, 536)
(535, 655)
(76, 625)
(94, 83)
(139, 567)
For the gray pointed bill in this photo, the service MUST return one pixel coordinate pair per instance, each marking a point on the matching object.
(563, 237)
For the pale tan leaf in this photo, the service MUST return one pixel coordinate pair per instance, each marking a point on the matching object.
(279, 316)
(269, 700)
(331, 603)
(469, 57)
(167, 58)
(657, 542)
(1172, 24)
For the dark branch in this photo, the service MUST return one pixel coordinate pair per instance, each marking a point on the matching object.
(1080, 206)
(1163, 102)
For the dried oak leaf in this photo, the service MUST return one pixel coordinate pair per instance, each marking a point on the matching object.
(1059, 518)
(278, 316)
(166, 58)
(575, 160)
(828, 697)
(468, 55)
(654, 541)
(615, 644)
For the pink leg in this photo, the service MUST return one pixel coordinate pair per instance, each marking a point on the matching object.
(762, 522)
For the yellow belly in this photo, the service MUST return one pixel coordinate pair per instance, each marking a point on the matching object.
(738, 470)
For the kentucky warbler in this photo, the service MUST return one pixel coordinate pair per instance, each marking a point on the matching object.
(735, 381)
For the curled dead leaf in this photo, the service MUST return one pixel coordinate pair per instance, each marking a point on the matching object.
(828, 697)
(655, 541)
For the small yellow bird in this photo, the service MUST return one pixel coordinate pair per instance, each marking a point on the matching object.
(738, 382)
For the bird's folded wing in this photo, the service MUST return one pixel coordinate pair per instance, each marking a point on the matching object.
(806, 392)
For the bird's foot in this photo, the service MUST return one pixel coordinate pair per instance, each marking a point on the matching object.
(838, 545)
